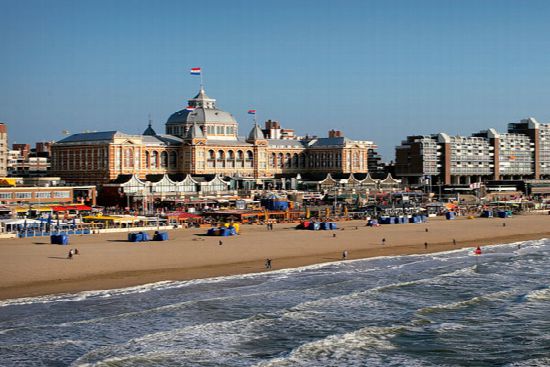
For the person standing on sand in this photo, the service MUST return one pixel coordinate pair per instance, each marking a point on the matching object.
(425, 245)
(345, 255)
(268, 263)
(220, 243)
(70, 256)
(383, 241)
(454, 242)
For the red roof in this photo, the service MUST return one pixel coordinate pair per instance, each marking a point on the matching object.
(71, 207)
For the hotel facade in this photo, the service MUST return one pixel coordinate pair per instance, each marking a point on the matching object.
(203, 140)
(521, 153)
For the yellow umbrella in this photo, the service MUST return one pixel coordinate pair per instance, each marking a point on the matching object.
(308, 213)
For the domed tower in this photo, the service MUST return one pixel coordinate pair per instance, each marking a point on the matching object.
(214, 123)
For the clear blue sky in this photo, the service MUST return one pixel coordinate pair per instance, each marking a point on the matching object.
(377, 70)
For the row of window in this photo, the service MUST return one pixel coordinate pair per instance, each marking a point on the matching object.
(37, 195)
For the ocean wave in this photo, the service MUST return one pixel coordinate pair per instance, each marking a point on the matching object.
(490, 297)
(341, 348)
(539, 295)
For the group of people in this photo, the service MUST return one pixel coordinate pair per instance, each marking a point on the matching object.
(72, 252)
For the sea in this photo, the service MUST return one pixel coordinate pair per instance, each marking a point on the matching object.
(444, 309)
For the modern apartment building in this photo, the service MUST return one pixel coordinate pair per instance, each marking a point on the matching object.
(521, 153)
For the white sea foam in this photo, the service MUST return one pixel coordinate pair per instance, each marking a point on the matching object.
(539, 295)
(335, 349)
(490, 297)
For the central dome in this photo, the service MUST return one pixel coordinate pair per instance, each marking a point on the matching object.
(215, 123)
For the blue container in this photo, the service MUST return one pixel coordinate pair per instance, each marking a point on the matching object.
(372, 222)
(333, 226)
(504, 214)
(59, 239)
(325, 226)
(487, 214)
(415, 219)
(160, 236)
(450, 215)
(132, 237)
(403, 220)
(385, 220)
(314, 226)
(144, 236)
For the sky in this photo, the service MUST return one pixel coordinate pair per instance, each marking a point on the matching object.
(377, 70)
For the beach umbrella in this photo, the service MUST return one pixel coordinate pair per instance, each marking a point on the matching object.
(308, 213)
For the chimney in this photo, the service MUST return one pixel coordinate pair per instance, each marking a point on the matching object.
(335, 134)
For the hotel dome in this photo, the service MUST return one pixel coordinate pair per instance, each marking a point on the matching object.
(216, 124)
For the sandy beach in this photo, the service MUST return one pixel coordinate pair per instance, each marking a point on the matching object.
(32, 267)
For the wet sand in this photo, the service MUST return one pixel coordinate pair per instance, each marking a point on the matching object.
(32, 267)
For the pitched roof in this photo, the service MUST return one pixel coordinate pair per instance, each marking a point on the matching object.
(93, 136)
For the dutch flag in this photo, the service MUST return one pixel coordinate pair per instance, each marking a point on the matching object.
(190, 108)
(195, 71)
(251, 112)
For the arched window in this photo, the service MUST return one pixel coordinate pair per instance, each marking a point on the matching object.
(173, 159)
(230, 158)
(240, 158)
(164, 159)
(147, 160)
(154, 160)
(280, 162)
(249, 159)
(288, 161)
(272, 160)
(295, 161)
(211, 162)
(220, 154)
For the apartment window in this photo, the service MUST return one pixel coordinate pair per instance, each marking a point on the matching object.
(6, 195)
(61, 194)
(42, 195)
(23, 195)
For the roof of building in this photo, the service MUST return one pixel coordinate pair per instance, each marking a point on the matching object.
(287, 143)
(149, 130)
(324, 142)
(256, 133)
(93, 136)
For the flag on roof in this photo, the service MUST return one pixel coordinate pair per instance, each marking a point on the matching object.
(251, 112)
(190, 108)
(195, 71)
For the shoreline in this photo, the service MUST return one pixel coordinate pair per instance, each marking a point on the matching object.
(108, 262)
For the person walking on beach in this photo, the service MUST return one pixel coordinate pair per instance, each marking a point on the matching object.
(345, 255)
(268, 263)
(426, 229)
(383, 241)
(220, 243)
(70, 255)
(454, 242)
(425, 245)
